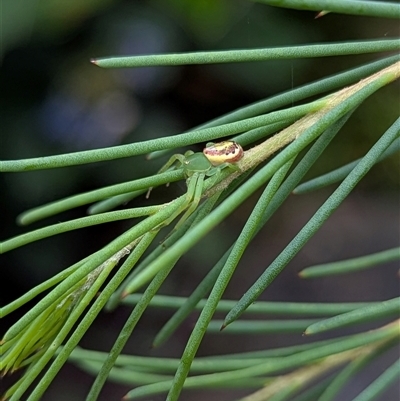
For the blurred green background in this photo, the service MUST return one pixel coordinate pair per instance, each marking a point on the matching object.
(53, 100)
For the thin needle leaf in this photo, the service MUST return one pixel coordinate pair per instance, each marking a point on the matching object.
(381, 384)
(238, 56)
(367, 313)
(340, 173)
(362, 8)
(315, 222)
(351, 265)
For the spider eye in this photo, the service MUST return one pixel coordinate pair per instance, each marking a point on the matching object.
(223, 152)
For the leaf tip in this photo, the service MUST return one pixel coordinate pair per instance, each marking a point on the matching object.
(306, 332)
(21, 221)
(321, 14)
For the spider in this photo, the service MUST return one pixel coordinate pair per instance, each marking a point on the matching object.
(198, 166)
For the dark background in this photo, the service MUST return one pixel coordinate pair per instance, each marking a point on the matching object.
(54, 101)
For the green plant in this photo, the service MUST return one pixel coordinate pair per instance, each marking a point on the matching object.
(53, 327)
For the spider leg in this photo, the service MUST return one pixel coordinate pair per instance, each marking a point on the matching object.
(197, 191)
(191, 187)
(213, 178)
(215, 173)
(231, 166)
(168, 166)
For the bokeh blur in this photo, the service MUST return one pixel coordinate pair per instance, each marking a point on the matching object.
(53, 100)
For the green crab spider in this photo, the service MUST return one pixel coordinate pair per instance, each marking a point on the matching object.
(198, 166)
